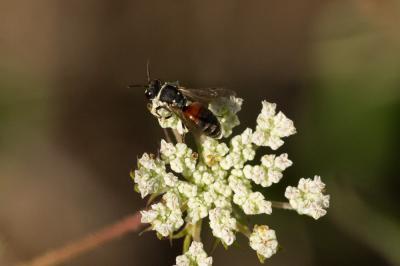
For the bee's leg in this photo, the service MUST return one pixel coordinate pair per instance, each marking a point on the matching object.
(167, 136)
(183, 135)
(150, 108)
(158, 108)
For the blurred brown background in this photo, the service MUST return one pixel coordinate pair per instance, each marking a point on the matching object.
(70, 130)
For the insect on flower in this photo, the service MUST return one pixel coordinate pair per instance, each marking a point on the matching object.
(218, 182)
(190, 105)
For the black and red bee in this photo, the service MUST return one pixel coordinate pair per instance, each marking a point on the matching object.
(190, 105)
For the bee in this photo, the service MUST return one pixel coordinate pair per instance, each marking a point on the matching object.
(190, 105)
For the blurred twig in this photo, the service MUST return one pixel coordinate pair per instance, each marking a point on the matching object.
(54, 257)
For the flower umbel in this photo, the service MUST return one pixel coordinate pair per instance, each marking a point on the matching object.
(221, 180)
(308, 198)
(272, 127)
(165, 217)
(223, 225)
(263, 240)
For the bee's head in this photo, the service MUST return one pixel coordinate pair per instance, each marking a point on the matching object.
(152, 89)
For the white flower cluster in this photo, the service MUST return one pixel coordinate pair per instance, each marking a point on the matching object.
(223, 225)
(225, 110)
(263, 240)
(270, 170)
(164, 217)
(213, 191)
(241, 150)
(219, 182)
(308, 198)
(181, 159)
(213, 152)
(250, 202)
(195, 256)
(151, 176)
(272, 127)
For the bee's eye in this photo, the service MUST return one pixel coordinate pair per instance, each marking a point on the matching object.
(153, 89)
(149, 93)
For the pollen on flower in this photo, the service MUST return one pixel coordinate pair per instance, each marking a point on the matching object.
(195, 256)
(308, 198)
(213, 151)
(263, 240)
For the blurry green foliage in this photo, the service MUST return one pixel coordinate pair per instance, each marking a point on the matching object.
(350, 136)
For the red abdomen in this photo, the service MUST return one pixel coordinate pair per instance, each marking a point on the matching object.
(203, 118)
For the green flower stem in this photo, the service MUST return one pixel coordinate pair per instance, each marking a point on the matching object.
(243, 229)
(196, 231)
(183, 233)
(186, 243)
(281, 205)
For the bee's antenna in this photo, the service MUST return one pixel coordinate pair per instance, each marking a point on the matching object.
(148, 78)
(135, 86)
(148, 70)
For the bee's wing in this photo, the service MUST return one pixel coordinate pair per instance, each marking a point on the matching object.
(206, 95)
